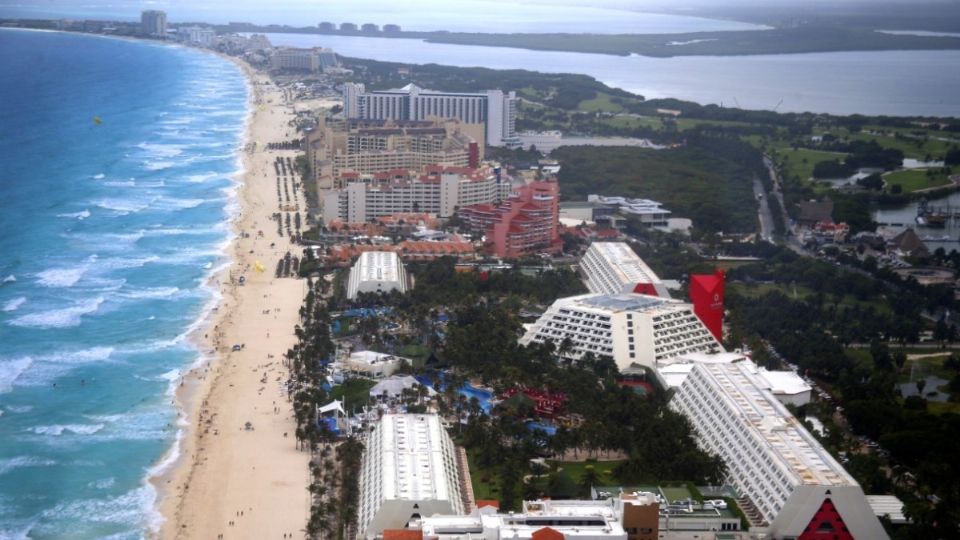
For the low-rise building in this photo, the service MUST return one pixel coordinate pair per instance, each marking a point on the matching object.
(377, 272)
(374, 365)
(629, 328)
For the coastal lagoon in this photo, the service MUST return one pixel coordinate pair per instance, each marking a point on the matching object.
(118, 189)
(898, 83)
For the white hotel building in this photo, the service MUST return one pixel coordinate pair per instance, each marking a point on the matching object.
(409, 471)
(630, 328)
(791, 480)
(368, 197)
(493, 108)
(377, 272)
(613, 268)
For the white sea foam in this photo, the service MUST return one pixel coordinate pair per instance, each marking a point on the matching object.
(103, 483)
(10, 371)
(127, 509)
(61, 277)
(201, 178)
(19, 462)
(40, 370)
(56, 430)
(10, 279)
(179, 204)
(122, 206)
(59, 318)
(157, 165)
(161, 150)
(121, 183)
(19, 409)
(14, 303)
(151, 293)
(76, 215)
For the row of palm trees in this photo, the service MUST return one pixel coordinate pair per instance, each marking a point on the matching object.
(334, 464)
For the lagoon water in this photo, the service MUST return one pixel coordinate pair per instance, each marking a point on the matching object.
(897, 83)
(117, 188)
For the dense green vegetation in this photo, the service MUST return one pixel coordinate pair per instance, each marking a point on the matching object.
(560, 90)
(708, 179)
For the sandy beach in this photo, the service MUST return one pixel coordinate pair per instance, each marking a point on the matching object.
(233, 480)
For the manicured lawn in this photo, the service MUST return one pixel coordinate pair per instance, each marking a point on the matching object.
(921, 367)
(911, 148)
(633, 122)
(914, 179)
(676, 493)
(800, 162)
(599, 103)
(604, 470)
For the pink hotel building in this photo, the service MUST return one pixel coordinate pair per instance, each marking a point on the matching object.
(525, 223)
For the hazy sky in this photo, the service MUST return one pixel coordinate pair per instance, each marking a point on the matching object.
(413, 14)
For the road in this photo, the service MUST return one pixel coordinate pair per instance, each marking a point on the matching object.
(766, 219)
(792, 241)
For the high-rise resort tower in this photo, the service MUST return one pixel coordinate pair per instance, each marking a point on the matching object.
(153, 23)
(493, 108)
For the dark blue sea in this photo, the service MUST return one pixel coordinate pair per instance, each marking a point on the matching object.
(117, 168)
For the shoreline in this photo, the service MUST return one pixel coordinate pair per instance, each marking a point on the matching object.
(192, 478)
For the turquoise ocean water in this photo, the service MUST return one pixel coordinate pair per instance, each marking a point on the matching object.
(109, 231)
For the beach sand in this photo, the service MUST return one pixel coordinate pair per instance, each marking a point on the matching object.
(253, 478)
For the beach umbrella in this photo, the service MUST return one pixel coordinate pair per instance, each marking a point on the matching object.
(258, 266)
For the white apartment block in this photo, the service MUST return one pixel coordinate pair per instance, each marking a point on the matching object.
(198, 35)
(613, 267)
(493, 108)
(366, 199)
(153, 23)
(630, 328)
(377, 272)
(409, 471)
(787, 386)
(792, 481)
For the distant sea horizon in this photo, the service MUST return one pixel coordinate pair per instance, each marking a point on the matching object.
(118, 191)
